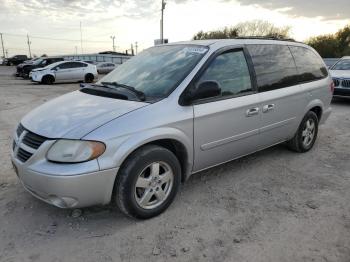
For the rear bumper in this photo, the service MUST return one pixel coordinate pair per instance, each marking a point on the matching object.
(68, 191)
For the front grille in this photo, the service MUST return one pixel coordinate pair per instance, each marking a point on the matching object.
(33, 140)
(336, 82)
(29, 139)
(23, 155)
(20, 130)
(345, 83)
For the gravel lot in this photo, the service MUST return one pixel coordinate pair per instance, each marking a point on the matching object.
(275, 205)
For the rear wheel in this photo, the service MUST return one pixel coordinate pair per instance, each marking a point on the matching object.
(89, 78)
(148, 182)
(306, 135)
(48, 80)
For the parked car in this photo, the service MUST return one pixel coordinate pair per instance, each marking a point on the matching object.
(15, 60)
(105, 67)
(24, 69)
(330, 61)
(340, 73)
(65, 71)
(171, 111)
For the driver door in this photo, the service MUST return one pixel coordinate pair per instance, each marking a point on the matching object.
(227, 126)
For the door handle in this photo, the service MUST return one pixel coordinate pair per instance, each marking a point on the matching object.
(252, 112)
(268, 108)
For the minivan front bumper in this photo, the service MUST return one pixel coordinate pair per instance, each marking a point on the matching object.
(74, 191)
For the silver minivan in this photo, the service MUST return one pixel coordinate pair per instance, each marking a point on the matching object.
(136, 135)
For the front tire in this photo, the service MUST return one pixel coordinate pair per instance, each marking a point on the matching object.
(48, 80)
(147, 182)
(306, 135)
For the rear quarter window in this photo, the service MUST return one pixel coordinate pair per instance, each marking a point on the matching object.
(310, 66)
(274, 66)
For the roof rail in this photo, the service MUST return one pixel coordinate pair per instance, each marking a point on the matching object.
(265, 38)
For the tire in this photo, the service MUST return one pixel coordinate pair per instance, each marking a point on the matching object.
(305, 137)
(89, 78)
(48, 80)
(152, 196)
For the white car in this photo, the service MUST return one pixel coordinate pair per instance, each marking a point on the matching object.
(65, 71)
(340, 73)
(105, 67)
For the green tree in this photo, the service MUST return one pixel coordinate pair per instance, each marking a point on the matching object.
(343, 39)
(226, 33)
(252, 28)
(326, 45)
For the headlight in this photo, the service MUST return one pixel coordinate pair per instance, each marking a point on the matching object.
(75, 151)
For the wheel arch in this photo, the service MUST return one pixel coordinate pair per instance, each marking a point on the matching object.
(317, 107)
(172, 139)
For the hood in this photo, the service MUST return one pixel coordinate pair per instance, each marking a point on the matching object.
(340, 73)
(76, 114)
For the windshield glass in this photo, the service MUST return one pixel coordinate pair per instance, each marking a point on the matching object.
(157, 70)
(343, 64)
(38, 61)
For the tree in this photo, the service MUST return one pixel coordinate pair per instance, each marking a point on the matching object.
(343, 39)
(252, 28)
(262, 28)
(326, 45)
(226, 33)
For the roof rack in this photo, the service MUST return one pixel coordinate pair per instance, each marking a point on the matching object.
(265, 38)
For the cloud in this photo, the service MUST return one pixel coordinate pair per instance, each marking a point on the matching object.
(83, 8)
(329, 10)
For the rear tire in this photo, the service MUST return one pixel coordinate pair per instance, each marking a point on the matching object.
(48, 80)
(89, 78)
(306, 135)
(147, 182)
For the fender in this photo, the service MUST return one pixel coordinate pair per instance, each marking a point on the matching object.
(124, 146)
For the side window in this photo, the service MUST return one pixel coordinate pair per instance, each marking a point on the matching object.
(274, 66)
(231, 71)
(310, 66)
(78, 65)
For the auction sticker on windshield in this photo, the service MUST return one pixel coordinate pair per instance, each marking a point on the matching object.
(196, 50)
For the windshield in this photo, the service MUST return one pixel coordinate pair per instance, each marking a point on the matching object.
(38, 61)
(343, 64)
(158, 70)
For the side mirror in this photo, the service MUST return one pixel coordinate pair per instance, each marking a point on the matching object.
(204, 90)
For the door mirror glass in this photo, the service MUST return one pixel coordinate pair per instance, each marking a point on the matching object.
(204, 90)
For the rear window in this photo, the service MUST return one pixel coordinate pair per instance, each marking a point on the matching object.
(274, 66)
(310, 66)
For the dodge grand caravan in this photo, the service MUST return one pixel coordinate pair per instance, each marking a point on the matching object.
(174, 110)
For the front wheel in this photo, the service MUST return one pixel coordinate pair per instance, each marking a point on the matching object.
(147, 182)
(306, 135)
(48, 80)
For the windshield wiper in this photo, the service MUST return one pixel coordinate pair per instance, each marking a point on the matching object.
(140, 95)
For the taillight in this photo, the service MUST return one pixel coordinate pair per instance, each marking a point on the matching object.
(332, 87)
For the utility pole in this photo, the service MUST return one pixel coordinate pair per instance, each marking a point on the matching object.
(2, 45)
(113, 38)
(81, 39)
(132, 49)
(76, 50)
(136, 46)
(162, 23)
(28, 42)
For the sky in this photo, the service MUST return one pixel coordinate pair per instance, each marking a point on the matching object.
(133, 21)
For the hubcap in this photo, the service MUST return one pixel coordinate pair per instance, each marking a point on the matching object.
(308, 132)
(154, 185)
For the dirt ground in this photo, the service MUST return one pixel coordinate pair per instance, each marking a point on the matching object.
(275, 205)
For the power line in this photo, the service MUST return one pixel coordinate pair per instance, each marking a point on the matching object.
(55, 39)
